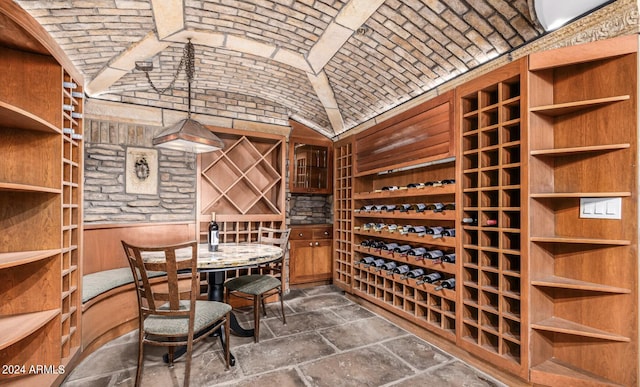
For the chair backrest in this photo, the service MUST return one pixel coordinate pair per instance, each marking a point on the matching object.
(176, 296)
(276, 237)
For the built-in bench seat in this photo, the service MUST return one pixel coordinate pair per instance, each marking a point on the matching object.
(96, 284)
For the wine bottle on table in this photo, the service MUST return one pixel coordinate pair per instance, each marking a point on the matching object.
(447, 284)
(213, 236)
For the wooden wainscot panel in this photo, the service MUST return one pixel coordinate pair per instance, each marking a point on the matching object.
(103, 249)
(420, 134)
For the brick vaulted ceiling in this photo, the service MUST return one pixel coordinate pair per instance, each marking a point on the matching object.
(329, 64)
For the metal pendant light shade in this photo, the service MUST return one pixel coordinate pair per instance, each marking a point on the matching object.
(187, 135)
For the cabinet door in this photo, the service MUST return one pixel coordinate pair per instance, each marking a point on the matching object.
(301, 262)
(310, 168)
(322, 259)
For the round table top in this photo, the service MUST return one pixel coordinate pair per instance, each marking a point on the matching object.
(228, 256)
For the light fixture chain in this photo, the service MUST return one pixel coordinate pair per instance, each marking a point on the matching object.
(187, 62)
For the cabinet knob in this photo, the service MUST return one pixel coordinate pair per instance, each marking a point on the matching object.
(300, 234)
(326, 233)
(310, 244)
(317, 243)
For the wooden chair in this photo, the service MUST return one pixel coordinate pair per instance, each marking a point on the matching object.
(170, 315)
(257, 287)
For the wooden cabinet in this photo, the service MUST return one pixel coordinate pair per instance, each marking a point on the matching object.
(584, 271)
(310, 161)
(310, 254)
(40, 206)
(492, 296)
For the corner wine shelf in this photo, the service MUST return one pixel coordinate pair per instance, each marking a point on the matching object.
(584, 301)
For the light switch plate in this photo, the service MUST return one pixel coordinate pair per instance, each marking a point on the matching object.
(601, 208)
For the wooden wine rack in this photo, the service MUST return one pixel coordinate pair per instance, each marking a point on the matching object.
(491, 317)
(342, 206)
(421, 304)
(584, 292)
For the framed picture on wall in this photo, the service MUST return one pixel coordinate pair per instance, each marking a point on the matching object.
(141, 175)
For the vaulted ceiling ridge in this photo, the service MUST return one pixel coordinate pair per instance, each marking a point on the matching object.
(170, 28)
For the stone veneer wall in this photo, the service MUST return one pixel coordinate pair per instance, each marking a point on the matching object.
(310, 209)
(105, 198)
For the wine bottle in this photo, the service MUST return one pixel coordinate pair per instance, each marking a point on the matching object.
(429, 278)
(377, 244)
(366, 243)
(377, 262)
(388, 207)
(388, 266)
(448, 181)
(213, 236)
(402, 249)
(449, 258)
(436, 183)
(402, 270)
(470, 221)
(367, 208)
(447, 284)
(418, 252)
(366, 261)
(389, 246)
(417, 229)
(378, 207)
(69, 85)
(391, 188)
(415, 185)
(449, 207)
(415, 273)
(379, 226)
(392, 227)
(436, 207)
(491, 223)
(449, 232)
(433, 254)
(404, 207)
(368, 226)
(435, 230)
(419, 207)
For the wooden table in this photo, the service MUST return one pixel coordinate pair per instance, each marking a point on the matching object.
(230, 256)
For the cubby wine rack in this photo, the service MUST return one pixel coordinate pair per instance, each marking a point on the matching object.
(342, 206)
(491, 321)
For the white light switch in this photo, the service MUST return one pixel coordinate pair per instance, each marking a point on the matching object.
(601, 208)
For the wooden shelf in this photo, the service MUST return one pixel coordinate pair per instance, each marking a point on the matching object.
(431, 265)
(569, 283)
(554, 372)
(28, 188)
(571, 107)
(579, 241)
(566, 195)
(570, 151)
(14, 259)
(409, 238)
(411, 215)
(18, 327)
(559, 325)
(447, 189)
(16, 118)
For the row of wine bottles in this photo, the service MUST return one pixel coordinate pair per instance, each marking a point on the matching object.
(432, 183)
(435, 231)
(418, 207)
(408, 250)
(405, 271)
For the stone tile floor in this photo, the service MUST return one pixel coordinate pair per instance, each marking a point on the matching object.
(328, 341)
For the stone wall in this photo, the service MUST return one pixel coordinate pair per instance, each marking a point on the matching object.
(105, 196)
(310, 209)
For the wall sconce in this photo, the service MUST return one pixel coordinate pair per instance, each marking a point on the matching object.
(553, 14)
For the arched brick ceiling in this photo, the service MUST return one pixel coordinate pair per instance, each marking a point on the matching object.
(328, 64)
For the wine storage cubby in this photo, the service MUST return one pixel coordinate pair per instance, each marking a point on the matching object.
(491, 319)
(583, 288)
(40, 203)
(342, 209)
(413, 207)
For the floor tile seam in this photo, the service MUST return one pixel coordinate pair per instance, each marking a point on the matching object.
(414, 369)
(420, 372)
(94, 377)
